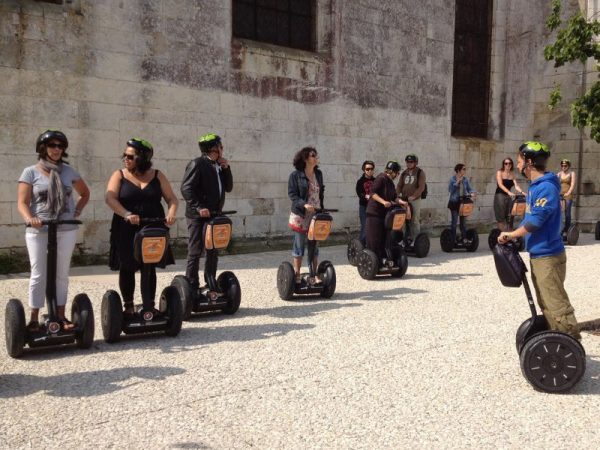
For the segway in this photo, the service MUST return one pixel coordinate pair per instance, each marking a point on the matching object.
(395, 262)
(517, 209)
(149, 248)
(551, 361)
(471, 240)
(324, 285)
(222, 293)
(51, 332)
(419, 247)
(571, 235)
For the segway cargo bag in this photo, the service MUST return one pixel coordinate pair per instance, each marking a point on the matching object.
(395, 218)
(150, 244)
(509, 265)
(217, 233)
(320, 227)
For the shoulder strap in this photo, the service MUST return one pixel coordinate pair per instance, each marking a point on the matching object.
(155, 173)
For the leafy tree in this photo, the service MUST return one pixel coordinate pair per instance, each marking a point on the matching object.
(576, 41)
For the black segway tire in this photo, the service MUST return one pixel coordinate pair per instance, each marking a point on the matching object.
(354, 249)
(286, 281)
(447, 240)
(14, 328)
(573, 235)
(368, 264)
(597, 231)
(402, 265)
(493, 238)
(474, 238)
(186, 294)
(82, 315)
(421, 245)
(229, 284)
(326, 272)
(111, 316)
(552, 362)
(170, 305)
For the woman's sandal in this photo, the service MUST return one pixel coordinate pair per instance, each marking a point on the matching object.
(33, 326)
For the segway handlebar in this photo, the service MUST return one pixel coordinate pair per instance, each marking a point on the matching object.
(59, 222)
(222, 213)
(147, 220)
(326, 210)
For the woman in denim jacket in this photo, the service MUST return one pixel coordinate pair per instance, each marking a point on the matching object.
(305, 189)
(457, 187)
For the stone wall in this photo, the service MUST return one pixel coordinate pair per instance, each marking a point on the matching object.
(379, 86)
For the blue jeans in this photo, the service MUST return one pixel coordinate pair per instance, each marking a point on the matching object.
(568, 205)
(362, 215)
(463, 227)
(299, 245)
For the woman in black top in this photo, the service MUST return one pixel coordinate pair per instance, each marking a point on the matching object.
(363, 191)
(383, 196)
(134, 193)
(505, 180)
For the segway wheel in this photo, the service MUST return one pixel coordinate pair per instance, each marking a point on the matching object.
(473, 237)
(170, 305)
(229, 284)
(573, 235)
(552, 361)
(286, 281)
(82, 315)
(326, 272)
(368, 264)
(447, 240)
(493, 238)
(421, 245)
(14, 328)
(597, 231)
(401, 264)
(354, 249)
(112, 316)
(184, 287)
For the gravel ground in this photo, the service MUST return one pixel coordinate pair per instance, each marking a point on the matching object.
(423, 361)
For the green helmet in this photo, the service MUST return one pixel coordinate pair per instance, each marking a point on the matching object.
(142, 146)
(534, 150)
(208, 141)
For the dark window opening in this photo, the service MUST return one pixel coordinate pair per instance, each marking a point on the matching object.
(289, 23)
(472, 59)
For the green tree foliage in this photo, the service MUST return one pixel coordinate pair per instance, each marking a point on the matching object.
(576, 41)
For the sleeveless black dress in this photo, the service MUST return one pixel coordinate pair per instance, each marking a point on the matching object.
(144, 202)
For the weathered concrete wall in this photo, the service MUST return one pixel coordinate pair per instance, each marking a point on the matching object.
(378, 87)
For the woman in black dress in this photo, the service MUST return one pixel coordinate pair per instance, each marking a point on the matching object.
(133, 193)
(383, 196)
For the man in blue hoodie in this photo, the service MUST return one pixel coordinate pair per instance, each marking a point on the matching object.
(541, 229)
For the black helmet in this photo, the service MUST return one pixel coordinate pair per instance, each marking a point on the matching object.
(393, 166)
(49, 135)
(142, 146)
(534, 150)
(411, 158)
(208, 141)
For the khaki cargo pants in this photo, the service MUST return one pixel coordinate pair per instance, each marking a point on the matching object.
(548, 275)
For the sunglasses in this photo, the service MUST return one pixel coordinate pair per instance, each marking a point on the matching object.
(54, 145)
(508, 164)
(564, 165)
(368, 169)
(128, 157)
(314, 155)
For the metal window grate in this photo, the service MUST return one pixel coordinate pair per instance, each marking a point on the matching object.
(289, 23)
(472, 56)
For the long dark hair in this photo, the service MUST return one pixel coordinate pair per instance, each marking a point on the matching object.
(512, 163)
(301, 156)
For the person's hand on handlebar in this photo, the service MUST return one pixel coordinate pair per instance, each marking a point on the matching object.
(35, 222)
(204, 212)
(133, 219)
(309, 208)
(504, 238)
(170, 220)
